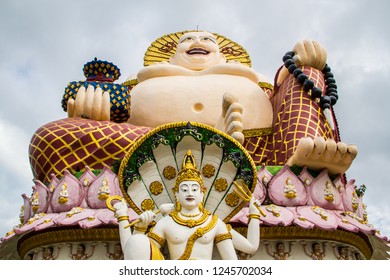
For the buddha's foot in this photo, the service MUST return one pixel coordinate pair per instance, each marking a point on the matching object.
(319, 153)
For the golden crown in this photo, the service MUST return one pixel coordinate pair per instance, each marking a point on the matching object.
(189, 172)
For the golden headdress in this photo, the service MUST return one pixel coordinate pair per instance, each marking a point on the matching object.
(189, 172)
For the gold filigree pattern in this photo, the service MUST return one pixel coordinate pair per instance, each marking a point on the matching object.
(208, 171)
(232, 199)
(169, 172)
(147, 204)
(156, 188)
(221, 184)
(189, 222)
(159, 239)
(222, 237)
(256, 132)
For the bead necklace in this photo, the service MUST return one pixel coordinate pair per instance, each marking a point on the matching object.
(189, 222)
(328, 99)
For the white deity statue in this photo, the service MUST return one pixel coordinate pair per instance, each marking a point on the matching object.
(63, 195)
(189, 231)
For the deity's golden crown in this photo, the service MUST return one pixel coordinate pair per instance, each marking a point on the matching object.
(189, 172)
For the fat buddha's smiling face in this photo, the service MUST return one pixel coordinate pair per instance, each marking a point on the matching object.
(197, 51)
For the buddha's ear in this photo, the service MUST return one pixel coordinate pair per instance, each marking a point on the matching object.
(222, 58)
(171, 60)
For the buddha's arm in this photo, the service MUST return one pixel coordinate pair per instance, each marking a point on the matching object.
(163, 70)
(307, 53)
(235, 69)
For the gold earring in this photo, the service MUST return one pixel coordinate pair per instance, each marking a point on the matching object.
(177, 205)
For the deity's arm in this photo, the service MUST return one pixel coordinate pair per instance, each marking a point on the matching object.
(268, 249)
(335, 250)
(157, 233)
(55, 256)
(290, 244)
(250, 244)
(324, 244)
(305, 249)
(121, 213)
(108, 254)
(224, 242)
(91, 253)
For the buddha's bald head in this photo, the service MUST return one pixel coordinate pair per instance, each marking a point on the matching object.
(197, 51)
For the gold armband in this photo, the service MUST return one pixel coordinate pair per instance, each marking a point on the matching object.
(159, 239)
(140, 229)
(222, 237)
(253, 216)
(122, 218)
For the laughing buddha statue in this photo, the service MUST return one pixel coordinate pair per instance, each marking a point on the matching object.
(202, 82)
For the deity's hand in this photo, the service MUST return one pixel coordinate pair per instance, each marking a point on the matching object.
(253, 209)
(146, 218)
(121, 208)
(167, 208)
(90, 104)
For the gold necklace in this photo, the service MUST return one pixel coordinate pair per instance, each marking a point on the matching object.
(190, 215)
(199, 232)
(190, 222)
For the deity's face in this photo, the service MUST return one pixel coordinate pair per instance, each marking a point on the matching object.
(189, 194)
(80, 249)
(197, 51)
(316, 247)
(343, 251)
(117, 249)
(280, 247)
(48, 252)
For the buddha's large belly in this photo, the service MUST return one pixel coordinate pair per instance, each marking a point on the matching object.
(168, 99)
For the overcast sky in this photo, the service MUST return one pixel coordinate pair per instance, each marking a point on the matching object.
(44, 45)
